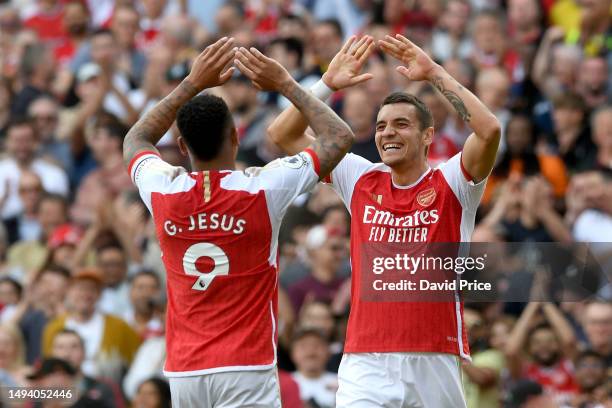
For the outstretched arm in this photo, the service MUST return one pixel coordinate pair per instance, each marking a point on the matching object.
(206, 72)
(480, 149)
(288, 129)
(267, 74)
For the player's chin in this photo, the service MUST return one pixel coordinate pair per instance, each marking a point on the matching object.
(392, 157)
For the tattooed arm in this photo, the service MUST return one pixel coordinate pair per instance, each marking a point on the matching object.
(267, 74)
(480, 149)
(206, 72)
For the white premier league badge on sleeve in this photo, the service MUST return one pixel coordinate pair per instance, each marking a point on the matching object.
(295, 162)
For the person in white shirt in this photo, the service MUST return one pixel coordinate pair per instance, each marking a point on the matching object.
(310, 352)
(21, 146)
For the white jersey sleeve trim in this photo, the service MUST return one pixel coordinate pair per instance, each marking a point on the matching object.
(467, 192)
(153, 175)
(346, 174)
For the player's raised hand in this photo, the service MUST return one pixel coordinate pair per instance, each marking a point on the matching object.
(265, 73)
(344, 69)
(208, 69)
(418, 65)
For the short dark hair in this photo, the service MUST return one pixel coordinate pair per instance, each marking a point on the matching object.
(588, 354)
(204, 122)
(569, 100)
(291, 44)
(71, 332)
(111, 245)
(14, 283)
(56, 270)
(101, 32)
(335, 25)
(145, 272)
(423, 112)
(109, 122)
(21, 121)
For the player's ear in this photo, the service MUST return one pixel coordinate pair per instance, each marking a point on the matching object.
(182, 146)
(428, 135)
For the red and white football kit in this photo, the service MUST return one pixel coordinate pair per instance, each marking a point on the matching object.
(439, 207)
(218, 233)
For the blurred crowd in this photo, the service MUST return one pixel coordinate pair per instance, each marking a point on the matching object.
(81, 280)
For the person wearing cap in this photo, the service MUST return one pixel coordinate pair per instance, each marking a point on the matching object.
(326, 250)
(110, 343)
(310, 353)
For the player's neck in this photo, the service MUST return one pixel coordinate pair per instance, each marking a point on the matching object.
(408, 174)
(216, 164)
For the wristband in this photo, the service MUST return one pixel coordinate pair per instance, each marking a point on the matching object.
(321, 90)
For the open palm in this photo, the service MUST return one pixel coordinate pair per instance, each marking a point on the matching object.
(344, 69)
(418, 65)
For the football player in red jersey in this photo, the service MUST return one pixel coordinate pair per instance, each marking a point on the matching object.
(403, 354)
(218, 228)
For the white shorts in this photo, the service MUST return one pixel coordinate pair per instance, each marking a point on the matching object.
(399, 380)
(232, 389)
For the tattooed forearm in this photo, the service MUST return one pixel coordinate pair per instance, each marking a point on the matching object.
(452, 97)
(154, 124)
(336, 136)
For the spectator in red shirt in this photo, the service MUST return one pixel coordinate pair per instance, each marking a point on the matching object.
(549, 345)
(47, 22)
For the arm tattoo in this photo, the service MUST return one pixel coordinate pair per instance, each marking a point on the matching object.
(337, 138)
(453, 98)
(145, 134)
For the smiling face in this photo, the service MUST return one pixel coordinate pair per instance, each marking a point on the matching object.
(400, 137)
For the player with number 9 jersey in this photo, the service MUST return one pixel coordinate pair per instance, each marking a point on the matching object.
(218, 234)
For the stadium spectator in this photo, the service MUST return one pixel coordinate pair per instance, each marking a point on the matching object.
(25, 226)
(112, 261)
(43, 302)
(145, 292)
(44, 112)
(13, 369)
(125, 27)
(21, 155)
(105, 182)
(522, 159)
(68, 346)
(150, 358)
(310, 352)
(601, 125)
(55, 373)
(551, 346)
(26, 257)
(451, 39)
(152, 393)
(326, 251)
(11, 293)
(358, 111)
(110, 343)
(481, 375)
(36, 72)
(598, 328)
(590, 375)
